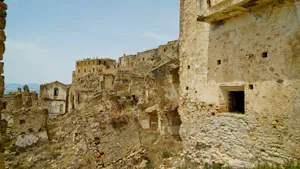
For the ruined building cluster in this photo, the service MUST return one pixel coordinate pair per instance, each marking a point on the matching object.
(228, 89)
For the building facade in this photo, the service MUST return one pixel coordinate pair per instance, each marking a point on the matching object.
(240, 81)
(54, 98)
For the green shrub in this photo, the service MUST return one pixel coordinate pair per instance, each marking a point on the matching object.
(166, 154)
(149, 163)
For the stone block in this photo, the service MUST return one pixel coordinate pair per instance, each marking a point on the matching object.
(1, 67)
(3, 5)
(2, 23)
(2, 50)
(3, 13)
(2, 36)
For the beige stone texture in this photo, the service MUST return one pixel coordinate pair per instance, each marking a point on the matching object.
(93, 66)
(253, 52)
(26, 125)
(54, 98)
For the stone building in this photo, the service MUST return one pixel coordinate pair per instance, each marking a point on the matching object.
(240, 81)
(93, 66)
(20, 99)
(26, 126)
(54, 98)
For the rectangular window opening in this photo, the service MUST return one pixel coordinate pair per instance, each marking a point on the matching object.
(236, 102)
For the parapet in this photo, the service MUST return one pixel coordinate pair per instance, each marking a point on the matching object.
(211, 11)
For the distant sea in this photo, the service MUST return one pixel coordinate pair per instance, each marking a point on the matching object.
(12, 87)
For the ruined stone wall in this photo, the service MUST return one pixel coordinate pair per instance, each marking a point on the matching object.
(93, 66)
(26, 126)
(169, 50)
(3, 8)
(18, 100)
(254, 53)
(53, 97)
(127, 61)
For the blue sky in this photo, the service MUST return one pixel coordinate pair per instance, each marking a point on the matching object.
(45, 38)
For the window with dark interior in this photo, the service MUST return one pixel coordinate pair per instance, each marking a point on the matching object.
(22, 121)
(236, 102)
(56, 91)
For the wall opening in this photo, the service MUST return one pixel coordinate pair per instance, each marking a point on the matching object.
(251, 87)
(22, 121)
(236, 102)
(175, 76)
(73, 102)
(78, 70)
(30, 130)
(208, 3)
(61, 108)
(264, 54)
(84, 70)
(56, 91)
(153, 121)
(78, 98)
(189, 67)
(219, 62)
(174, 123)
(104, 63)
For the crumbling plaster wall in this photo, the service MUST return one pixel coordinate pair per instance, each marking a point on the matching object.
(268, 131)
(55, 104)
(26, 126)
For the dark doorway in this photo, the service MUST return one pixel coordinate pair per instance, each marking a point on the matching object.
(237, 101)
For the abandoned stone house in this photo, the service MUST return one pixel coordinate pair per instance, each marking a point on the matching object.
(54, 97)
(239, 74)
(93, 66)
(20, 99)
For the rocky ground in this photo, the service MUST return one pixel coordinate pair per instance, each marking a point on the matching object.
(98, 135)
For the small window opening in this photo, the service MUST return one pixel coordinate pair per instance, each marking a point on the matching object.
(187, 88)
(78, 70)
(251, 87)
(105, 63)
(93, 69)
(22, 121)
(164, 49)
(264, 54)
(143, 59)
(189, 67)
(237, 101)
(56, 91)
(208, 3)
(84, 70)
(219, 62)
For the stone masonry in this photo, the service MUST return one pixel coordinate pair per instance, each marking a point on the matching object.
(240, 81)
